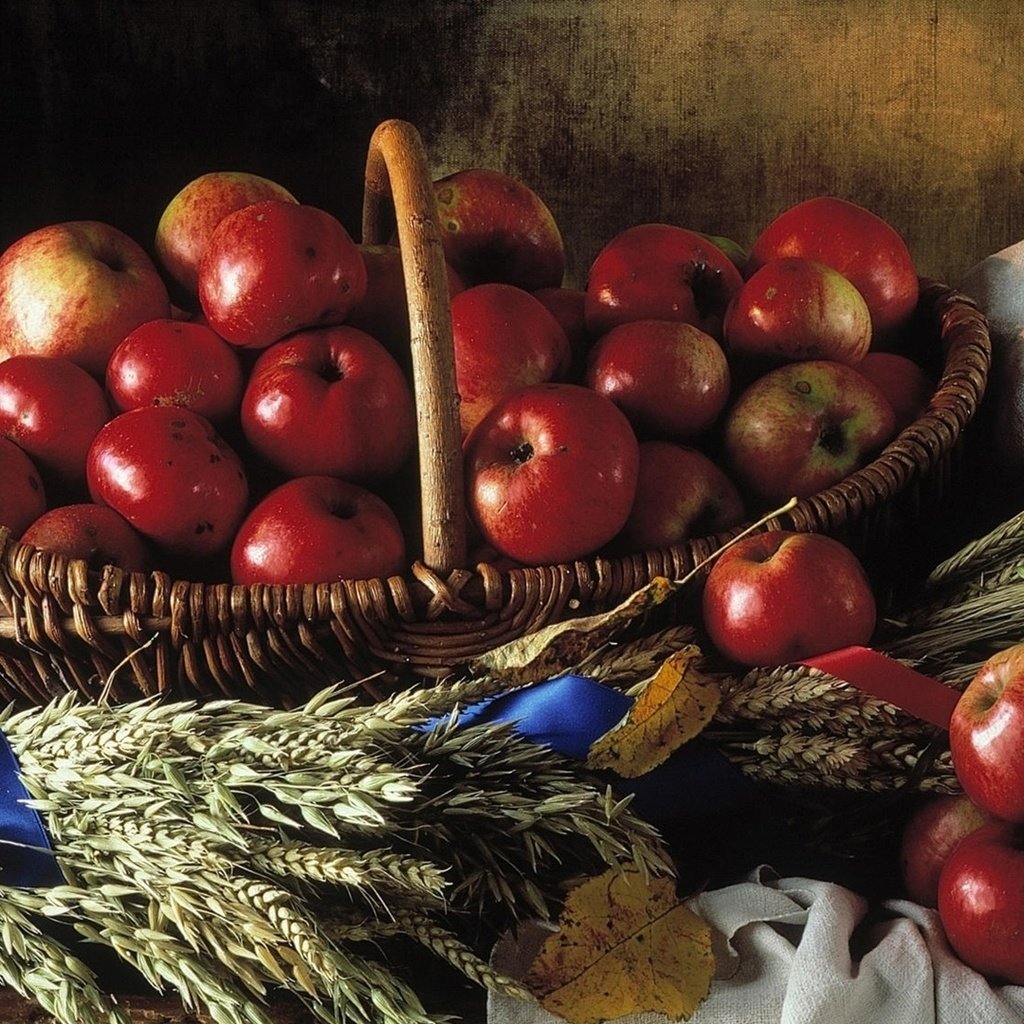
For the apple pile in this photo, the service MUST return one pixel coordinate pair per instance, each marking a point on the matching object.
(964, 853)
(240, 404)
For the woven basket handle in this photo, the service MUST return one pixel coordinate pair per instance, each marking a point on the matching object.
(398, 176)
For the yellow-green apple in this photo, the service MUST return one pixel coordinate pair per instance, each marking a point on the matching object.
(188, 220)
(738, 253)
(172, 476)
(22, 491)
(803, 427)
(863, 247)
(986, 735)
(330, 401)
(660, 272)
(275, 267)
(780, 596)
(96, 534)
(52, 408)
(981, 901)
(930, 834)
(794, 308)
(551, 473)
(904, 381)
(314, 529)
(680, 494)
(671, 379)
(383, 310)
(496, 228)
(567, 305)
(503, 339)
(176, 362)
(75, 289)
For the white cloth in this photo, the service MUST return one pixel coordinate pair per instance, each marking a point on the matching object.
(784, 956)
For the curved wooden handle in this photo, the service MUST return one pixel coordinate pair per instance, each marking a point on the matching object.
(397, 174)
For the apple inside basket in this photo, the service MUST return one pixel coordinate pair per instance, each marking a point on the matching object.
(528, 512)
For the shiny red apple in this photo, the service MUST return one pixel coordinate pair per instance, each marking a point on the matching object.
(316, 529)
(780, 596)
(551, 473)
(275, 267)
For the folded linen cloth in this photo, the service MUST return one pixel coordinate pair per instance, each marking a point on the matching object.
(802, 951)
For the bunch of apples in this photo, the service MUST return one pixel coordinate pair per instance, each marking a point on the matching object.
(963, 853)
(240, 402)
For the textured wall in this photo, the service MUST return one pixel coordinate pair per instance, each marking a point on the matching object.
(715, 115)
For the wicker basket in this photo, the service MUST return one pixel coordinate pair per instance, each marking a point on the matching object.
(63, 625)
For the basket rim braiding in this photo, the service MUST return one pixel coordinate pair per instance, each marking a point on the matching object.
(66, 625)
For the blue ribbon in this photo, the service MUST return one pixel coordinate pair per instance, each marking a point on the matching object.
(26, 858)
(568, 713)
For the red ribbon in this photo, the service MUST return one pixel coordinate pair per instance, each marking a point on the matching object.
(891, 681)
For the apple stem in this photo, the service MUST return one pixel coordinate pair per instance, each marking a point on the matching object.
(746, 531)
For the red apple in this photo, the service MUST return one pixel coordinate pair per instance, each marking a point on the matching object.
(670, 379)
(680, 494)
(383, 312)
(75, 290)
(778, 597)
(986, 735)
(660, 272)
(22, 493)
(551, 473)
(567, 305)
(315, 529)
(275, 267)
(94, 533)
(176, 362)
(803, 427)
(52, 408)
(863, 247)
(331, 401)
(189, 218)
(503, 339)
(931, 833)
(981, 901)
(496, 228)
(793, 308)
(169, 473)
(907, 385)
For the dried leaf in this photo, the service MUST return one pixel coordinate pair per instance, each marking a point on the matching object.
(625, 944)
(672, 708)
(564, 645)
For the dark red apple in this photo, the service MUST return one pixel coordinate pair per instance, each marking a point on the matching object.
(660, 272)
(176, 362)
(317, 529)
(330, 401)
(803, 427)
(907, 385)
(496, 228)
(566, 305)
(551, 473)
(671, 379)
(276, 267)
(863, 247)
(680, 494)
(503, 339)
(22, 492)
(778, 597)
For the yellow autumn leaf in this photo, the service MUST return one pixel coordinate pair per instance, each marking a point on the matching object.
(562, 646)
(674, 706)
(625, 944)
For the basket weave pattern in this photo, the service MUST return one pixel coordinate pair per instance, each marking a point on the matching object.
(63, 625)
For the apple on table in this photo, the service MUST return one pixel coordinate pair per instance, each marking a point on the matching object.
(75, 290)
